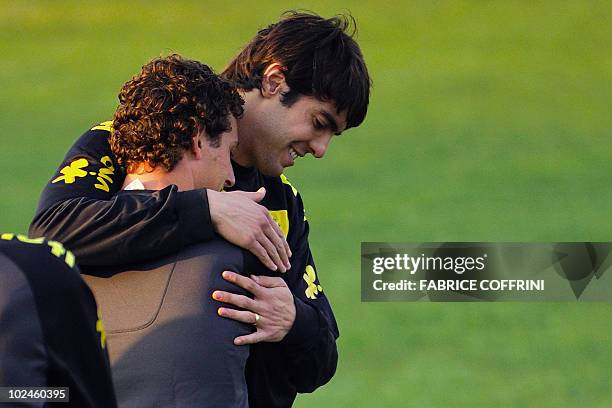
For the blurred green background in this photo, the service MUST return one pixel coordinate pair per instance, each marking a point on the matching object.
(489, 121)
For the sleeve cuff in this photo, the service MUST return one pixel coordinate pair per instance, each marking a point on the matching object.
(194, 216)
(305, 329)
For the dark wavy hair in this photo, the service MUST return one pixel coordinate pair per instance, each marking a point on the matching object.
(319, 57)
(163, 106)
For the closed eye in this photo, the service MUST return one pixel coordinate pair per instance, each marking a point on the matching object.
(319, 125)
(329, 122)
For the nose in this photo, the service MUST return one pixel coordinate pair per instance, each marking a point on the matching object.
(230, 179)
(318, 145)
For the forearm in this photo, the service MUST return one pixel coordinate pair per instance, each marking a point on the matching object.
(127, 228)
(310, 348)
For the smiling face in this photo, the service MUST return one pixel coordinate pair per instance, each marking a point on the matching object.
(273, 136)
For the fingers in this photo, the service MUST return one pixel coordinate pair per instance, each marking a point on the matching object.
(269, 281)
(262, 254)
(273, 241)
(273, 303)
(245, 283)
(280, 242)
(239, 218)
(275, 248)
(252, 338)
(241, 301)
(243, 316)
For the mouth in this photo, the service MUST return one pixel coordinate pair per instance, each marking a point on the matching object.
(293, 153)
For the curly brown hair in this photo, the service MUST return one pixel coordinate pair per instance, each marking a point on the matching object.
(163, 106)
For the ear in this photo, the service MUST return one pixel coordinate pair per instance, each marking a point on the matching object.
(273, 81)
(197, 143)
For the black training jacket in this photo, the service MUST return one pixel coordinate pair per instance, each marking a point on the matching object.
(79, 207)
(50, 332)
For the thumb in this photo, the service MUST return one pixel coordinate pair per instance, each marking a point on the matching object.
(258, 195)
(269, 281)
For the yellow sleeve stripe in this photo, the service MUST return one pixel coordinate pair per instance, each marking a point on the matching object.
(108, 126)
(57, 249)
(7, 236)
(286, 181)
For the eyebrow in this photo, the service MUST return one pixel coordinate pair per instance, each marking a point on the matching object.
(332, 122)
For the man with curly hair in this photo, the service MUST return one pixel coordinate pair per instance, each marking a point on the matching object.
(170, 122)
(175, 127)
(303, 80)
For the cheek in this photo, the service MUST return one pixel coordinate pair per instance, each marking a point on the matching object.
(291, 134)
(305, 129)
(218, 156)
(225, 162)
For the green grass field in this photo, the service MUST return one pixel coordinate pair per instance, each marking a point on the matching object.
(489, 121)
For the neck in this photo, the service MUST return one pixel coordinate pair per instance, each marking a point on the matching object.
(246, 128)
(158, 178)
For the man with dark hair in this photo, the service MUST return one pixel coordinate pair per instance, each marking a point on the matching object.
(303, 80)
(50, 332)
(175, 127)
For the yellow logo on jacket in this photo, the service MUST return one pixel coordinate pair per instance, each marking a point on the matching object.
(72, 171)
(78, 168)
(313, 289)
(100, 329)
(282, 219)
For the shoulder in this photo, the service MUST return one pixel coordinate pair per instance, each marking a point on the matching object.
(49, 268)
(92, 146)
(288, 186)
(281, 188)
(95, 139)
(216, 254)
(34, 254)
(90, 162)
(284, 203)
